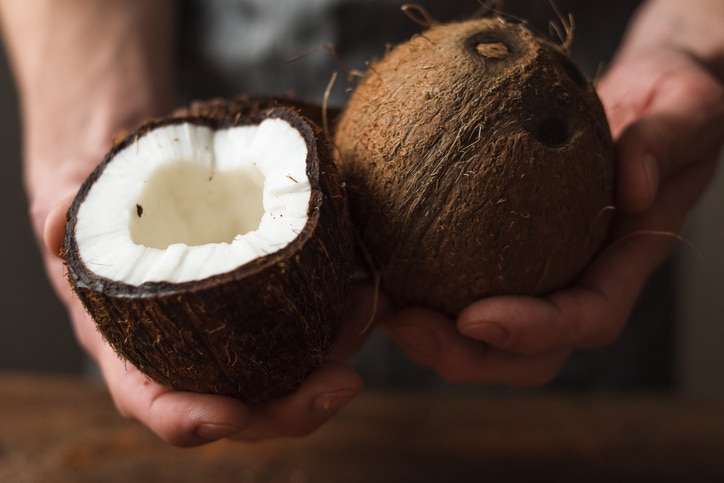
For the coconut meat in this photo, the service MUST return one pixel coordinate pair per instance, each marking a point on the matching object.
(185, 202)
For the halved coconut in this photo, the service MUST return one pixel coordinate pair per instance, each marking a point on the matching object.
(214, 250)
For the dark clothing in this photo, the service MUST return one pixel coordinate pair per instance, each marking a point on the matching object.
(294, 46)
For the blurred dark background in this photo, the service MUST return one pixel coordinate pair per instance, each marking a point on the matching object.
(34, 332)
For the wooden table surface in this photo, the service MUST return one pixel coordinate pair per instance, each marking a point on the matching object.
(58, 430)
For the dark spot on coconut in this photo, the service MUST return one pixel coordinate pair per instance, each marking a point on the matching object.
(552, 132)
(139, 210)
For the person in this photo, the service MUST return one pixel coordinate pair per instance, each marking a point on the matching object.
(86, 70)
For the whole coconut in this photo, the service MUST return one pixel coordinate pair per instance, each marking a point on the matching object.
(478, 161)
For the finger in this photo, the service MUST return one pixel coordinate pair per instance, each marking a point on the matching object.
(54, 227)
(190, 419)
(593, 312)
(682, 123)
(180, 418)
(532, 326)
(648, 155)
(321, 395)
(589, 314)
(327, 389)
(433, 341)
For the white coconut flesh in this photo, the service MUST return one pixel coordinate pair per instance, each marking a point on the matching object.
(185, 202)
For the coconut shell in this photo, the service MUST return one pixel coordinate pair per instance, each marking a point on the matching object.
(251, 105)
(254, 332)
(479, 162)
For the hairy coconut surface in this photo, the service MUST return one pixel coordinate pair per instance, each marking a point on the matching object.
(478, 161)
(244, 106)
(213, 249)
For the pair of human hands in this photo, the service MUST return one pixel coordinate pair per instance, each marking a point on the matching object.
(666, 112)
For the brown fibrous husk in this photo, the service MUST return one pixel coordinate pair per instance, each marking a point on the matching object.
(479, 162)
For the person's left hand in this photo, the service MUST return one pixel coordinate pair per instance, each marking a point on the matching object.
(190, 419)
(666, 112)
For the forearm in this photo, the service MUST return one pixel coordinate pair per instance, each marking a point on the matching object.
(84, 69)
(695, 27)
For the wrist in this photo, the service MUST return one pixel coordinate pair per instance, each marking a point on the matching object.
(693, 27)
(62, 146)
(84, 71)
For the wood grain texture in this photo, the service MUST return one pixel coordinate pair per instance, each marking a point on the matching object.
(66, 430)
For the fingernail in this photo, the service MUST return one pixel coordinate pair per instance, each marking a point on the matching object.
(492, 333)
(330, 402)
(215, 431)
(419, 339)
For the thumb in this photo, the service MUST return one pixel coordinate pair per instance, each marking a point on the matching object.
(54, 228)
(655, 147)
(681, 125)
(641, 160)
